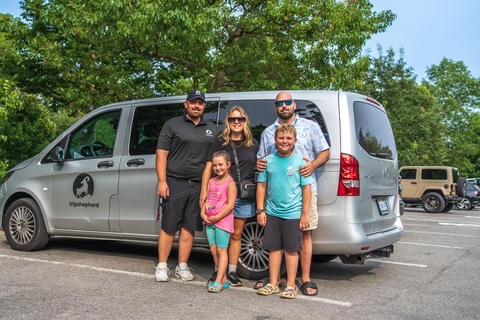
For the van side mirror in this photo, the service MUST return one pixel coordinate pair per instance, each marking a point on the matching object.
(57, 154)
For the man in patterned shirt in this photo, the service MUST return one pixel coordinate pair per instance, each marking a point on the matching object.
(313, 147)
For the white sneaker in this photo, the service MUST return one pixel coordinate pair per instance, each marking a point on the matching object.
(161, 274)
(184, 274)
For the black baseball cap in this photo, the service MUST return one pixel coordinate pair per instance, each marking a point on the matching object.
(194, 94)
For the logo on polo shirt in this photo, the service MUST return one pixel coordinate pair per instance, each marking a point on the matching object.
(208, 133)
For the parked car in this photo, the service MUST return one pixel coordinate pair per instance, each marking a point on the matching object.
(98, 178)
(471, 199)
(436, 188)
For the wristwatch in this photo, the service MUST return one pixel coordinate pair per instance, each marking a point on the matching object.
(258, 211)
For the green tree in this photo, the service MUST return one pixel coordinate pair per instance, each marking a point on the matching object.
(416, 119)
(457, 93)
(89, 53)
(25, 126)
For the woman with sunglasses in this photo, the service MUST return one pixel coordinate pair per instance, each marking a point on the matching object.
(236, 134)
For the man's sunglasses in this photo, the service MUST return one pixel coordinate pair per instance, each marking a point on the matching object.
(287, 102)
(234, 119)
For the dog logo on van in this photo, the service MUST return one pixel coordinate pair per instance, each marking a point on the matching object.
(83, 186)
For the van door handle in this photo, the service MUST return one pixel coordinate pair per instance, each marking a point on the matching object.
(135, 162)
(413, 182)
(106, 164)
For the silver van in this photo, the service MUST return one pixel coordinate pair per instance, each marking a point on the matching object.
(98, 179)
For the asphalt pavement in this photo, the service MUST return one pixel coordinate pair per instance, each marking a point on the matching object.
(433, 274)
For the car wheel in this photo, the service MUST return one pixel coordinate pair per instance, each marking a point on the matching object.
(448, 207)
(24, 226)
(464, 204)
(432, 202)
(253, 260)
(461, 188)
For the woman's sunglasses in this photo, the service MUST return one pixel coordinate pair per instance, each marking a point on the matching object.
(234, 119)
(279, 103)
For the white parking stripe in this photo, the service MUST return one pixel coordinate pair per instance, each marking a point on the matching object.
(468, 225)
(429, 245)
(151, 276)
(443, 234)
(399, 263)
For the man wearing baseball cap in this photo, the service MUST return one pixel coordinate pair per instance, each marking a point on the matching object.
(182, 150)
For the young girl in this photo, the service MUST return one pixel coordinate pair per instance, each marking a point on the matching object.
(217, 214)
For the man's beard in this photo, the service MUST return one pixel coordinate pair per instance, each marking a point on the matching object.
(285, 115)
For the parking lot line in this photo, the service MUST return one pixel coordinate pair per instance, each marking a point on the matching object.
(151, 276)
(399, 263)
(429, 245)
(442, 234)
(467, 225)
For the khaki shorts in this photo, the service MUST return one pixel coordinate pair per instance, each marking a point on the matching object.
(313, 213)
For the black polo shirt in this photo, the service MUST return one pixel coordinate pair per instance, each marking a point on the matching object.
(187, 145)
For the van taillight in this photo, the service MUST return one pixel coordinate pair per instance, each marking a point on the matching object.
(349, 181)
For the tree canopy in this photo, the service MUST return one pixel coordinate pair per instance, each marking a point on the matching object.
(89, 53)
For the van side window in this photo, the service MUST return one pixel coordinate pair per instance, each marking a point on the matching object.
(96, 138)
(374, 133)
(148, 122)
(408, 174)
(309, 110)
(262, 114)
(434, 174)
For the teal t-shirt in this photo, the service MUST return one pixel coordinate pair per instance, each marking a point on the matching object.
(284, 185)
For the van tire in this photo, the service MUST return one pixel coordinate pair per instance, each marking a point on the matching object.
(24, 226)
(253, 260)
(433, 202)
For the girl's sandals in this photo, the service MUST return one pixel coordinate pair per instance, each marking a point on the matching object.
(215, 287)
(290, 292)
(268, 290)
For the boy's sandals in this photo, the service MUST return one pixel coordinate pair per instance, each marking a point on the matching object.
(269, 289)
(215, 287)
(290, 292)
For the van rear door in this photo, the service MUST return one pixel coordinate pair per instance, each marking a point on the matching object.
(377, 157)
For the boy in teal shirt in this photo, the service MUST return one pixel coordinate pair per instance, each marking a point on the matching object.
(287, 209)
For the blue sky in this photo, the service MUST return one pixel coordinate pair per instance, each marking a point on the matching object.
(428, 31)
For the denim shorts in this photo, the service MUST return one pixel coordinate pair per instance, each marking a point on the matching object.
(244, 209)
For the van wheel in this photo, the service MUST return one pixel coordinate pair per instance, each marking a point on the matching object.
(448, 207)
(24, 226)
(464, 204)
(433, 202)
(253, 260)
